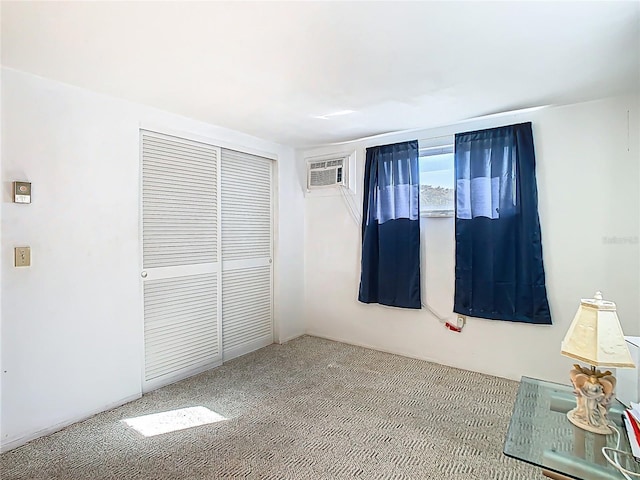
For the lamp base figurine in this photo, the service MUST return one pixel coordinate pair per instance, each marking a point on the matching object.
(594, 391)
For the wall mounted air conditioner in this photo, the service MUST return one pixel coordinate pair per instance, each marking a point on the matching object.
(327, 173)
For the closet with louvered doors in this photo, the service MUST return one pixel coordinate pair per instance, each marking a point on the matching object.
(207, 242)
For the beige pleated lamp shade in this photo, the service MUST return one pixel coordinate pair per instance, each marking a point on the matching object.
(595, 335)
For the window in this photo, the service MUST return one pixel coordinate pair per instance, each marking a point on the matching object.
(437, 192)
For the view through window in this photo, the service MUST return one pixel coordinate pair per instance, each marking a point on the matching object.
(437, 182)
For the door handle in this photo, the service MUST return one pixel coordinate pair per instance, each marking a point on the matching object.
(143, 274)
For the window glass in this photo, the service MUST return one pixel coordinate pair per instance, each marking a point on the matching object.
(437, 182)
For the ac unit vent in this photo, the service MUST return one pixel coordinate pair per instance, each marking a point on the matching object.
(317, 165)
(326, 173)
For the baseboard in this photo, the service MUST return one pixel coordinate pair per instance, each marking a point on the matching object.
(372, 347)
(179, 375)
(245, 348)
(401, 354)
(292, 337)
(10, 444)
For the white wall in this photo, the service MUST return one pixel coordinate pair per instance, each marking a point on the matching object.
(289, 252)
(72, 323)
(589, 205)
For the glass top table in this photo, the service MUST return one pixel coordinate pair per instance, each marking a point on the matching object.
(541, 434)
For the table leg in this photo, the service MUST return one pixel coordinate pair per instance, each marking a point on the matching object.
(598, 442)
(554, 475)
(579, 441)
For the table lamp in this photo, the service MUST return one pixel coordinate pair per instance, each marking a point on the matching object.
(595, 337)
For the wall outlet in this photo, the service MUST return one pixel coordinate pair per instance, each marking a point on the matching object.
(23, 256)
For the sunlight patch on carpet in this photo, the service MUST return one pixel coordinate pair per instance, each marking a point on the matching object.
(173, 420)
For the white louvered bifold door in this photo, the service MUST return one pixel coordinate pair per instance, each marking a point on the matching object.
(180, 258)
(247, 242)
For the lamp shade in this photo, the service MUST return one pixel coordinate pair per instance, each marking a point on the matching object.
(595, 335)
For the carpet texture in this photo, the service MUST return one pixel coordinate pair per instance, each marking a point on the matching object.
(308, 409)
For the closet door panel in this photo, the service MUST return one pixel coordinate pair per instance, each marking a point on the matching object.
(180, 258)
(247, 246)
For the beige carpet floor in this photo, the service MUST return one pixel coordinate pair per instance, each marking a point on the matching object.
(308, 409)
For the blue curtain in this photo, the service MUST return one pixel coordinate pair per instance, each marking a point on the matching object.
(390, 273)
(499, 271)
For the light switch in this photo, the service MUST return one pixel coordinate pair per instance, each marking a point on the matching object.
(23, 256)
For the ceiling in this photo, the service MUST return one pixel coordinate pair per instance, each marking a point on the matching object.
(309, 73)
